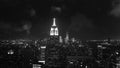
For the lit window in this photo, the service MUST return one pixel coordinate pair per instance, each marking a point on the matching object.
(56, 31)
(11, 52)
(42, 62)
(52, 31)
(36, 66)
(43, 47)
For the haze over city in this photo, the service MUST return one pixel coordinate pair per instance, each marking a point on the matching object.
(89, 19)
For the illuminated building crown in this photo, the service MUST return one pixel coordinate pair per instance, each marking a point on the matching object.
(54, 29)
(54, 22)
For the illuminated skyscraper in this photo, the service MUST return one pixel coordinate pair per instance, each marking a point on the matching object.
(60, 39)
(54, 29)
(67, 38)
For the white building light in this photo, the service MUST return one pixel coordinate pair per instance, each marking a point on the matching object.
(42, 62)
(43, 47)
(11, 52)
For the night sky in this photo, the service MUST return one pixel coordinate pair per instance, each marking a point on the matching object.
(83, 19)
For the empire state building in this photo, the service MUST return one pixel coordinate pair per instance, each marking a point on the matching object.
(54, 32)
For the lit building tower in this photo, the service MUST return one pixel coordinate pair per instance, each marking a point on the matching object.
(54, 29)
(60, 39)
(67, 38)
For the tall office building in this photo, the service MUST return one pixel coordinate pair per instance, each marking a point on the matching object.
(67, 38)
(52, 48)
(54, 29)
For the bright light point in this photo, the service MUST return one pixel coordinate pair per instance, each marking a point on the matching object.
(10, 52)
(71, 62)
(117, 53)
(99, 46)
(43, 47)
(42, 62)
(73, 40)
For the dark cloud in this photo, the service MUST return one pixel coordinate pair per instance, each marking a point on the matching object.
(116, 11)
(4, 25)
(26, 26)
(80, 21)
(109, 26)
(116, 8)
(83, 27)
(57, 9)
(88, 20)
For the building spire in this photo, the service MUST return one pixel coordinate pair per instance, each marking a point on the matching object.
(54, 22)
(54, 29)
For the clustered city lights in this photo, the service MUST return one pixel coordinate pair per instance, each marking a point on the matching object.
(11, 52)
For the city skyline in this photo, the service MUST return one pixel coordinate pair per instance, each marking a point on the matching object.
(60, 33)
